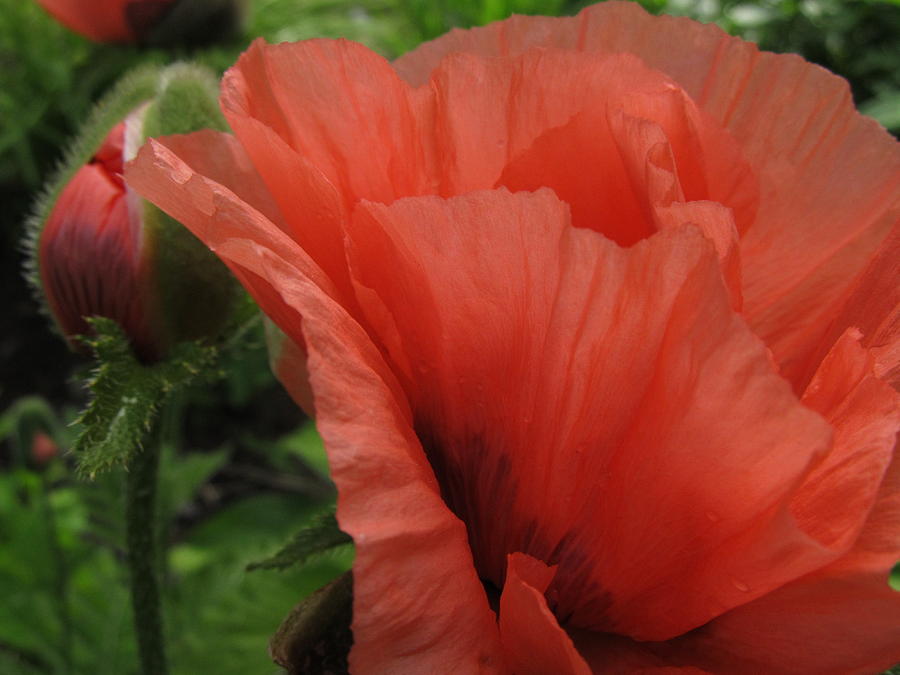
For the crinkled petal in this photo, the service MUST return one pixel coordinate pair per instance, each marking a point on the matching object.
(533, 642)
(338, 105)
(843, 618)
(535, 356)
(221, 158)
(825, 624)
(549, 118)
(837, 496)
(418, 603)
(829, 177)
(872, 305)
(328, 118)
(833, 625)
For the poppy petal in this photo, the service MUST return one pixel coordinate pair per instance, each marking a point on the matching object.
(837, 496)
(533, 642)
(873, 306)
(418, 604)
(551, 118)
(534, 355)
(828, 624)
(878, 546)
(826, 621)
(222, 159)
(834, 625)
(338, 105)
(836, 217)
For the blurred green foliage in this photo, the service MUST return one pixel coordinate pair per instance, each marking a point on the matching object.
(242, 472)
(66, 606)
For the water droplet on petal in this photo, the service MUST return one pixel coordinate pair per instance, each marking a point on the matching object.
(740, 585)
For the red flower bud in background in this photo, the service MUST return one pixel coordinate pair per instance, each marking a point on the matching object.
(100, 250)
(147, 21)
(43, 449)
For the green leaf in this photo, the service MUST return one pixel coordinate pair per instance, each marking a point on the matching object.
(321, 535)
(885, 108)
(181, 475)
(127, 395)
(307, 444)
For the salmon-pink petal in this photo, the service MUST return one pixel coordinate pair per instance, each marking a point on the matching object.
(830, 624)
(210, 210)
(829, 177)
(488, 112)
(533, 642)
(549, 118)
(313, 211)
(221, 158)
(872, 305)
(717, 224)
(338, 105)
(878, 546)
(833, 625)
(842, 619)
(326, 122)
(865, 413)
(418, 604)
(534, 355)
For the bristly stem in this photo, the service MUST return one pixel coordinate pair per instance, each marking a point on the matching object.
(143, 555)
(61, 577)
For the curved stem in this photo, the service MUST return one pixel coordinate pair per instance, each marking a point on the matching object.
(143, 556)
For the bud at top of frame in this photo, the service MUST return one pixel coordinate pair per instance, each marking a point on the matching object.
(155, 22)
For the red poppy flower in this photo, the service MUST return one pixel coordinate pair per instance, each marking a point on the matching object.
(109, 20)
(598, 315)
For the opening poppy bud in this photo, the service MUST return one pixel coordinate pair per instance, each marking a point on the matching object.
(102, 251)
(154, 22)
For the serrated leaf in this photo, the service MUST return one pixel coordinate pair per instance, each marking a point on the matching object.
(321, 535)
(127, 395)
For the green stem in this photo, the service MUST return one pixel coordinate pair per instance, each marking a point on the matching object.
(61, 576)
(143, 556)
